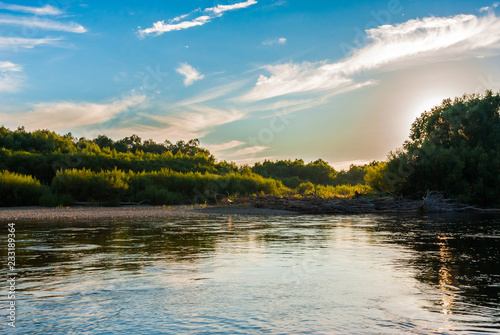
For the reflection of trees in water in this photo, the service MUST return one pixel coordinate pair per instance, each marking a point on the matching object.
(60, 243)
(459, 255)
(99, 244)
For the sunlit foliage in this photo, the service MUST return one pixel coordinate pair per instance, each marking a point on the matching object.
(17, 189)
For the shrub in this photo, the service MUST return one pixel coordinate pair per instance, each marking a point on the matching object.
(50, 199)
(159, 196)
(85, 185)
(19, 190)
(306, 188)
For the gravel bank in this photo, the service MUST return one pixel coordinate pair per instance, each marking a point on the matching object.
(129, 212)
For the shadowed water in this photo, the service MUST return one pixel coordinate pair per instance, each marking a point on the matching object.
(259, 275)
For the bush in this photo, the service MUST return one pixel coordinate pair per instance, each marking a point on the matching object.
(50, 199)
(306, 188)
(376, 178)
(85, 185)
(159, 196)
(292, 182)
(158, 187)
(341, 191)
(19, 190)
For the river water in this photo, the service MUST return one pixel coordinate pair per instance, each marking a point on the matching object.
(361, 274)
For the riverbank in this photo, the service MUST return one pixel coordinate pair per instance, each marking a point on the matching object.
(130, 212)
(434, 202)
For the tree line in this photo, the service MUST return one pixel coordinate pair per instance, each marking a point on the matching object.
(453, 148)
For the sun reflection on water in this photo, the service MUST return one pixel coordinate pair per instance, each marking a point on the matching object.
(446, 276)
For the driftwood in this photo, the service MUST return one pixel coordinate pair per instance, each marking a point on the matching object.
(434, 202)
(431, 203)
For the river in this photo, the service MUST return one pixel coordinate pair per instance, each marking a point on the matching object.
(362, 274)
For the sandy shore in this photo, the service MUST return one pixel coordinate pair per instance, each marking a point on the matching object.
(129, 212)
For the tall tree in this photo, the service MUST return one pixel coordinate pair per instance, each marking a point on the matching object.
(455, 149)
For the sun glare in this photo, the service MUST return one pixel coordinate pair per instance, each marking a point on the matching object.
(425, 103)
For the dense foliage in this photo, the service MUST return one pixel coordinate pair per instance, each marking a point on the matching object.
(454, 149)
(19, 190)
(42, 153)
(158, 187)
(294, 173)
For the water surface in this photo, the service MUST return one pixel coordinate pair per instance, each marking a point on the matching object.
(259, 275)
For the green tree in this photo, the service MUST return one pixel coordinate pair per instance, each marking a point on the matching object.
(454, 149)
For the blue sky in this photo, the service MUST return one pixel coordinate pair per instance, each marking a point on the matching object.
(253, 80)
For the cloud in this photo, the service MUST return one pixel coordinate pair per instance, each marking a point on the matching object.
(224, 8)
(432, 36)
(295, 78)
(213, 93)
(10, 79)
(280, 41)
(45, 10)
(403, 44)
(26, 43)
(190, 74)
(177, 23)
(250, 150)
(161, 27)
(487, 8)
(45, 24)
(33, 23)
(195, 122)
(214, 148)
(61, 116)
(11, 67)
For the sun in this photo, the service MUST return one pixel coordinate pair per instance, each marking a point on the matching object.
(425, 102)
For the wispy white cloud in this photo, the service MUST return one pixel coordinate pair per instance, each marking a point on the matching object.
(46, 24)
(63, 116)
(33, 23)
(403, 44)
(180, 17)
(216, 148)
(432, 36)
(250, 150)
(224, 8)
(213, 93)
(195, 122)
(177, 23)
(488, 8)
(280, 41)
(190, 74)
(161, 27)
(10, 78)
(45, 10)
(295, 78)
(26, 43)
(9, 66)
